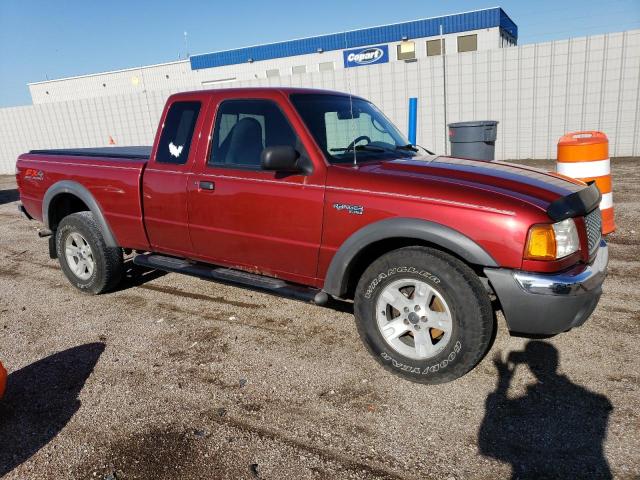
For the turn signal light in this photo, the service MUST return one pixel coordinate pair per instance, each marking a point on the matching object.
(541, 243)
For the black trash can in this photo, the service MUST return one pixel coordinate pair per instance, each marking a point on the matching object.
(475, 139)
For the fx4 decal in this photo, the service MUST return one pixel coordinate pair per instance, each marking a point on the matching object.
(33, 174)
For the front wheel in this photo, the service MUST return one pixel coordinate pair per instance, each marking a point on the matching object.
(423, 314)
(86, 260)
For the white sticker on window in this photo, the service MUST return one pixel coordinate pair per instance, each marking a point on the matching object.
(175, 151)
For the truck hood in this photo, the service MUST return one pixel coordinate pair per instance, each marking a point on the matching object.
(527, 184)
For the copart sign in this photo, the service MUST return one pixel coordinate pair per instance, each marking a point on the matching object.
(366, 56)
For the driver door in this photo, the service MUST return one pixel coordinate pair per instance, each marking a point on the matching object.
(249, 218)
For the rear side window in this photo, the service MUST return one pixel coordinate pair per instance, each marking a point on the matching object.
(244, 128)
(179, 125)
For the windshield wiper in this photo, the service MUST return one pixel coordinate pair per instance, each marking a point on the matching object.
(413, 148)
(359, 147)
(408, 146)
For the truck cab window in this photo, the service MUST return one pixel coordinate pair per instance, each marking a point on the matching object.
(243, 128)
(177, 132)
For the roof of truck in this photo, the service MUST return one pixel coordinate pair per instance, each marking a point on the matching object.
(283, 90)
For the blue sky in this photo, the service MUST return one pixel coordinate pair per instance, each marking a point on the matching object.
(52, 39)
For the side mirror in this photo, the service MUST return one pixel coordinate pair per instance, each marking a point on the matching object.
(281, 158)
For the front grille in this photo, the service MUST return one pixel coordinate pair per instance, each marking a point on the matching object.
(593, 222)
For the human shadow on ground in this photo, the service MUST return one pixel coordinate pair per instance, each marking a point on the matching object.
(8, 196)
(556, 430)
(39, 401)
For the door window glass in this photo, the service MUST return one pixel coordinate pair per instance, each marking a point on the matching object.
(243, 128)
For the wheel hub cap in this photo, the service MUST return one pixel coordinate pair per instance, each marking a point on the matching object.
(414, 318)
(79, 256)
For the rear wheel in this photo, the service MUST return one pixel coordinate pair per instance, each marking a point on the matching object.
(423, 314)
(86, 260)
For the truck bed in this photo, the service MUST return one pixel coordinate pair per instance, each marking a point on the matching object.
(112, 175)
(140, 152)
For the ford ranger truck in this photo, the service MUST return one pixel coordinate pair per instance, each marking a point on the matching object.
(315, 194)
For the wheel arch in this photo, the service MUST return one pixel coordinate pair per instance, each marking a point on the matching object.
(66, 197)
(376, 239)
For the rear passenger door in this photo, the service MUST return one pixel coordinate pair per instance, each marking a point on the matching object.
(246, 217)
(165, 180)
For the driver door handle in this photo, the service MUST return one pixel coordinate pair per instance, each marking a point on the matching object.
(206, 185)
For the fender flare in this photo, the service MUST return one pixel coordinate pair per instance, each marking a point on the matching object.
(78, 190)
(336, 279)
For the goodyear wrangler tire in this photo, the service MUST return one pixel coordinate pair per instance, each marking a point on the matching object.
(86, 261)
(423, 314)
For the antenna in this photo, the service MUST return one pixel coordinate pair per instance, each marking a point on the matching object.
(186, 45)
(353, 123)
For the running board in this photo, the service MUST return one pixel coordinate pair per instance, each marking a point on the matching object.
(232, 277)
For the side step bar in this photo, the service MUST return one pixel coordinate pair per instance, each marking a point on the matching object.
(233, 277)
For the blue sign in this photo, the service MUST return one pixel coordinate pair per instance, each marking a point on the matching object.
(366, 56)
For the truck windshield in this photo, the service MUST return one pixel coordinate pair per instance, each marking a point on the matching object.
(346, 130)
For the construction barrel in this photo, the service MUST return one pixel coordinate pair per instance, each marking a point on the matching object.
(585, 156)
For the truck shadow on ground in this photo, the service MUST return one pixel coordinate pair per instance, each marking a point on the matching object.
(555, 430)
(40, 399)
(136, 276)
(8, 196)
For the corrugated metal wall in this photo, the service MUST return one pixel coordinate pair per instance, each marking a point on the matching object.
(537, 92)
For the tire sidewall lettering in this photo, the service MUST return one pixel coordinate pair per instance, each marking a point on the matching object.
(460, 287)
(400, 365)
(436, 367)
(396, 270)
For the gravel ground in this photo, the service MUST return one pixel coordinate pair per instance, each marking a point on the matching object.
(175, 377)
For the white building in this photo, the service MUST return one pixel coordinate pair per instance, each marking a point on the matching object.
(400, 42)
(537, 92)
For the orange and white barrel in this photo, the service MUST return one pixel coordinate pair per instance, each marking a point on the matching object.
(585, 156)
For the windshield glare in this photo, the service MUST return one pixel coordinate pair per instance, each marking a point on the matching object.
(349, 130)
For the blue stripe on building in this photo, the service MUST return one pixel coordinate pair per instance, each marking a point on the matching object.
(461, 22)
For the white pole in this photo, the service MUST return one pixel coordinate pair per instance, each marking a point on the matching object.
(444, 91)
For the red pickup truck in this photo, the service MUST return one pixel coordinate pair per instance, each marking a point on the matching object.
(315, 194)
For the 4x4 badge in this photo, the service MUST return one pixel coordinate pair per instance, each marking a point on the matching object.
(352, 209)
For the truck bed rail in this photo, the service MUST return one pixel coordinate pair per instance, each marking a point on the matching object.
(133, 152)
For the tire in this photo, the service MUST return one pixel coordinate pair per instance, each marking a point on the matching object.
(443, 292)
(79, 234)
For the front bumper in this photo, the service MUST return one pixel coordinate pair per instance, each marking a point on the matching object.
(546, 304)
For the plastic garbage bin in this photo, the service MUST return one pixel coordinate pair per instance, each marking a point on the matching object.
(475, 139)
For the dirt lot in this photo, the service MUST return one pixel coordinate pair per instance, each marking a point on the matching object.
(175, 377)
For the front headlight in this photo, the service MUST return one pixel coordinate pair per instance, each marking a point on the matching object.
(552, 241)
(567, 241)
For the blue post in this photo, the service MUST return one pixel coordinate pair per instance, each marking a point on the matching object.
(413, 119)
